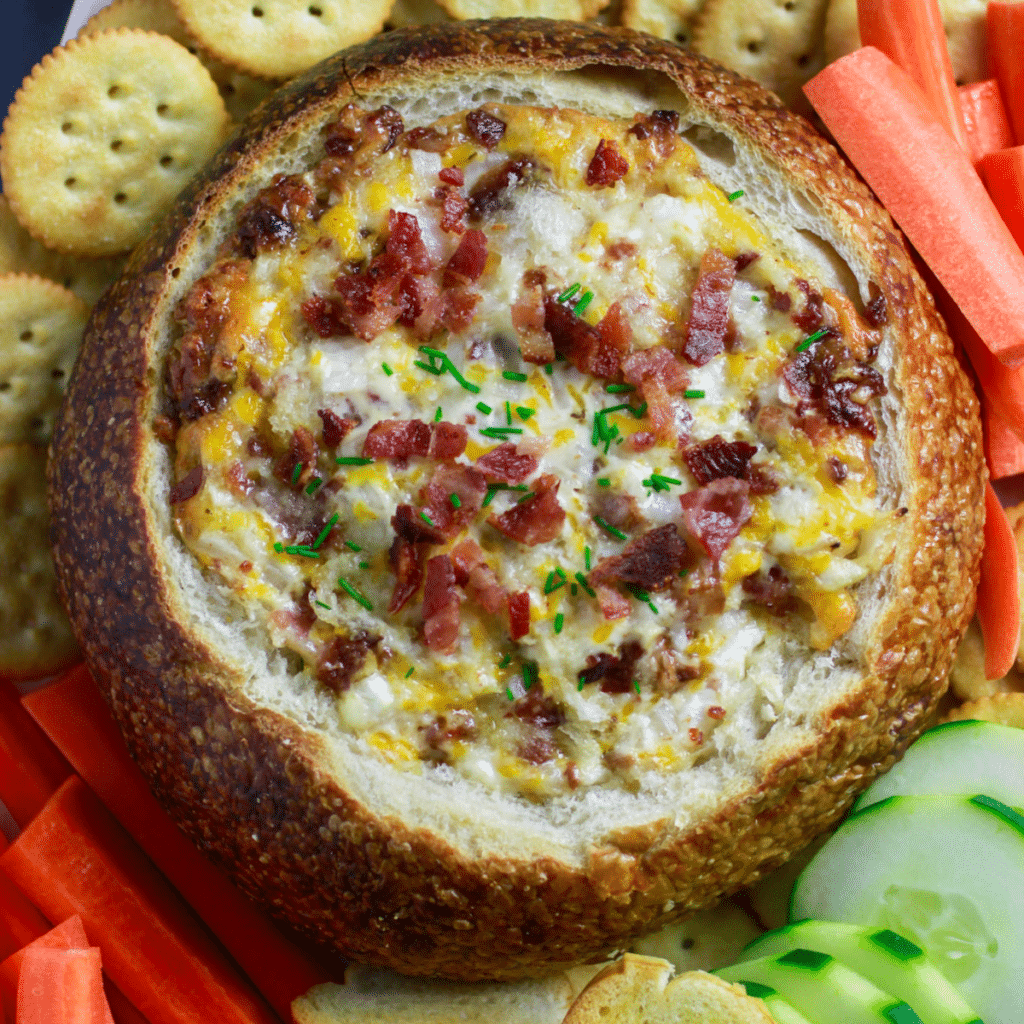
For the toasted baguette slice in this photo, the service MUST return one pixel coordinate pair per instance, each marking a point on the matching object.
(642, 990)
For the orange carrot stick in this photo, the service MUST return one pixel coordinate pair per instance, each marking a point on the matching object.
(73, 714)
(20, 922)
(1003, 172)
(31, 767)
(62, 986)
(998, 592)
(985, 118)
(68, 935)
(911, 35)
(884, 124)
(1004, 450)
(75, 859)
(1005, 30)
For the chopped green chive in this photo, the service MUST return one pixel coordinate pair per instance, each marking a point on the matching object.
(569, 292)
(585, 301)
(352, 545)
(352, 460)
(410, 672)
(426, 518)
(493, 489)
(483, 407)
(526, 497)
(642, 596)
(505, 662)
(437, 371)
(354, 594)
(279, 548)
(439, 415)
(696, 393)
(508, 413)
(618, 389)
(733, 196)
(657, 482)
(618, 534)
(300, 549)
(364, 565)
(322, 605)
(296, 473)
(806, 343)
(586, 558)
(555, 579)
(582, 581)
(559, 621)
(549, 368)
(314, 484)
(446, 364)
(508, 693)
(582, 681)
(322, 536)
(512, 375)
(455, 500)
(387, 369)
(574, 590)
(755, 298)
(603, 481)
(529, 674)
(500, 432)
(636, 686)
(524, 411)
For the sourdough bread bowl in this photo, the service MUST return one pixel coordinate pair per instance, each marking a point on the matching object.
(709, 669)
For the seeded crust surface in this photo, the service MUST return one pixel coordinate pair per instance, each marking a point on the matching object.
(255, 790)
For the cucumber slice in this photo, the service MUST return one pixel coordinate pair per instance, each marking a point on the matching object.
(783, 1012)
(886, 959)
(946, 872)
(818, 986)
(957, 759)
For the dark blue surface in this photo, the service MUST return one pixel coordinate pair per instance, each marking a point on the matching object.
(28, 29)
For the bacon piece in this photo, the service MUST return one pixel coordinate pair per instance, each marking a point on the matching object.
(487, 129)
(421, 304)
(538, 709)
(188, 486)
(607, 165)
(617, 509)
(458, 309)
(441, 601)
(239, 481)
(537, 750)
(506, 465)
(859, 338)
(489, 195)
(410, 526)
(613, 604)
(466, 483)
(335, 427)
(717, 458)
(876, 312)
(715, 514)
(397, 439)
(614, 673)
(745, 259)
(772, 589)
(447, 440)
(519, 614)
(453, 209)
(650, 562)
(596, 350)
(534, 521)
(341, 658)
(325, 316)
(467, 262)
(477, 578)
(405, 243)
(535, 343)
(430, 140)
(269, 219)
(659, 375)
(406, 559)
(709, 310)
(452, 176)
(302, 451)
(641, 441)
(811, 315)
(660, 126)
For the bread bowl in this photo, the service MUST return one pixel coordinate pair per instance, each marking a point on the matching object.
(339, 793)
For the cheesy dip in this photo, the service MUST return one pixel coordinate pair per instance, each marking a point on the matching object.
(520, 437)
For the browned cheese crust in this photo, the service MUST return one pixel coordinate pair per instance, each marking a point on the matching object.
(265, 808)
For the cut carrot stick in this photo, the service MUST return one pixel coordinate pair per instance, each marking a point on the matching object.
(121, 1009)
(998, 592)
(911, 35)
(883, 122)
(985, 118)
(75, 859)
(1004, 450)
(1003, 172)
(73, 714)
(1005, 30)
(62, 986)
(20, 922)
(68, 935)
(31, 767)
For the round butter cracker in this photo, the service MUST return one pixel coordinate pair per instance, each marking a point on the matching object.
(103, 135)
(964, 21)
(407, 13)
(780, 44)
(21, 253)
(279, 38)
(1000, 708)
(35, 636)
(241, 93)
(41, 326)
(567, 10)
(667, 19)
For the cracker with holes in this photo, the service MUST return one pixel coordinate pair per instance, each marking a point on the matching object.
(280, 38)
(241, 93)
(21, 253)
(1000, 708)
(35, 637)
(416, 12)
(41, 326)
(667, 19)
(778, 42)
(964, 21)
(103, 135)
(569, 10)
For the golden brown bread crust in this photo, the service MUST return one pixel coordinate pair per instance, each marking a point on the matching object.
(244, 782)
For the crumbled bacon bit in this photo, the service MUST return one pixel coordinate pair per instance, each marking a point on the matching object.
(660, 126)
(467, 262)
(595, 350)
(453, 211)
(709, 310)
(650, 562)
(302, 451)
(771, 589)
(335, 427)
(506, 465)
(613, 605)
(876, 312)
(696, 736)
(607, 166)
(716, 458)
(383, 128)
(534, 521)
(410, 526)
(716, 712)
(406, 560)
(165, 429)
(341, 658)
(621, 250)
(397, 439)
(781, 302)
(745, 259)
(441, 601)
(430, 140)
(618, 509)
(715, 514)
(325, 316)
(519, 614)
(535, 343)
(538, 709)
(405, 243)
(447, 440)
(572, 775)
(837, 470)
(811, 316)
(537, 750)
(487, 129)
(239, 481)
(458, 309)
(488, 195)
(421, 304)
(477, 578)
(452, 176)
(448, 479)
(614, 673)
(641, 441)
(270, 218)
(447, 728)
(659, 375)
(188, 486)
